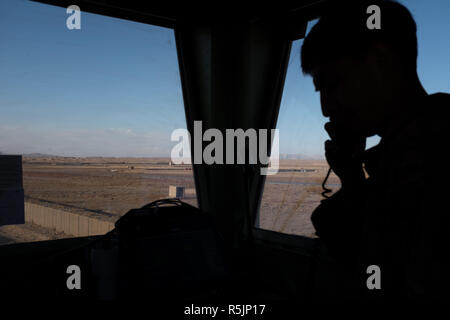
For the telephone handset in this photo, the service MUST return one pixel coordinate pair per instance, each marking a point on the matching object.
(341, 141)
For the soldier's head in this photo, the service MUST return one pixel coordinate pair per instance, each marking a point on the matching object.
(358, 68)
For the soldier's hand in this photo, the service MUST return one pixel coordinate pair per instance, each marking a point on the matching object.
(343, 153)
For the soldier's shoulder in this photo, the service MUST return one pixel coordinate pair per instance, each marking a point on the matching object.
(440, 99)
(437, 111)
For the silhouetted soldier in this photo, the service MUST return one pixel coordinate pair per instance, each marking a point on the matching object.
(397, 218)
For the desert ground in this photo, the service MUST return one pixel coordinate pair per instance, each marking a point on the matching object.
(112, 186)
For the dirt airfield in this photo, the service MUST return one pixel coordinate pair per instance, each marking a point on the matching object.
(112, 186)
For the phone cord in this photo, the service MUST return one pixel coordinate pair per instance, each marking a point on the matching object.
(325, 189)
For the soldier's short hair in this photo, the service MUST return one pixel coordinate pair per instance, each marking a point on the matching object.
(342, 31)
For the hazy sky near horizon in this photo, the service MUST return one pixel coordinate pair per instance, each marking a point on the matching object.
(113, 88)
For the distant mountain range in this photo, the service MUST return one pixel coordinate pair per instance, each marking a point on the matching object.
(283, 156)
(38, 155)
(298, 156)
(31, 155)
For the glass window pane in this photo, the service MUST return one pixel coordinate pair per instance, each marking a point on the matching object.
(293, 193)
(90, 110)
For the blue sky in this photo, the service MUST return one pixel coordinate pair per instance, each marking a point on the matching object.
(113, 87)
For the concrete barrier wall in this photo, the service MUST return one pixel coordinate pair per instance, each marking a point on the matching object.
(64, 221)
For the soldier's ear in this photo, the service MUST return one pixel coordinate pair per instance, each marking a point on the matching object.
(382, 56)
